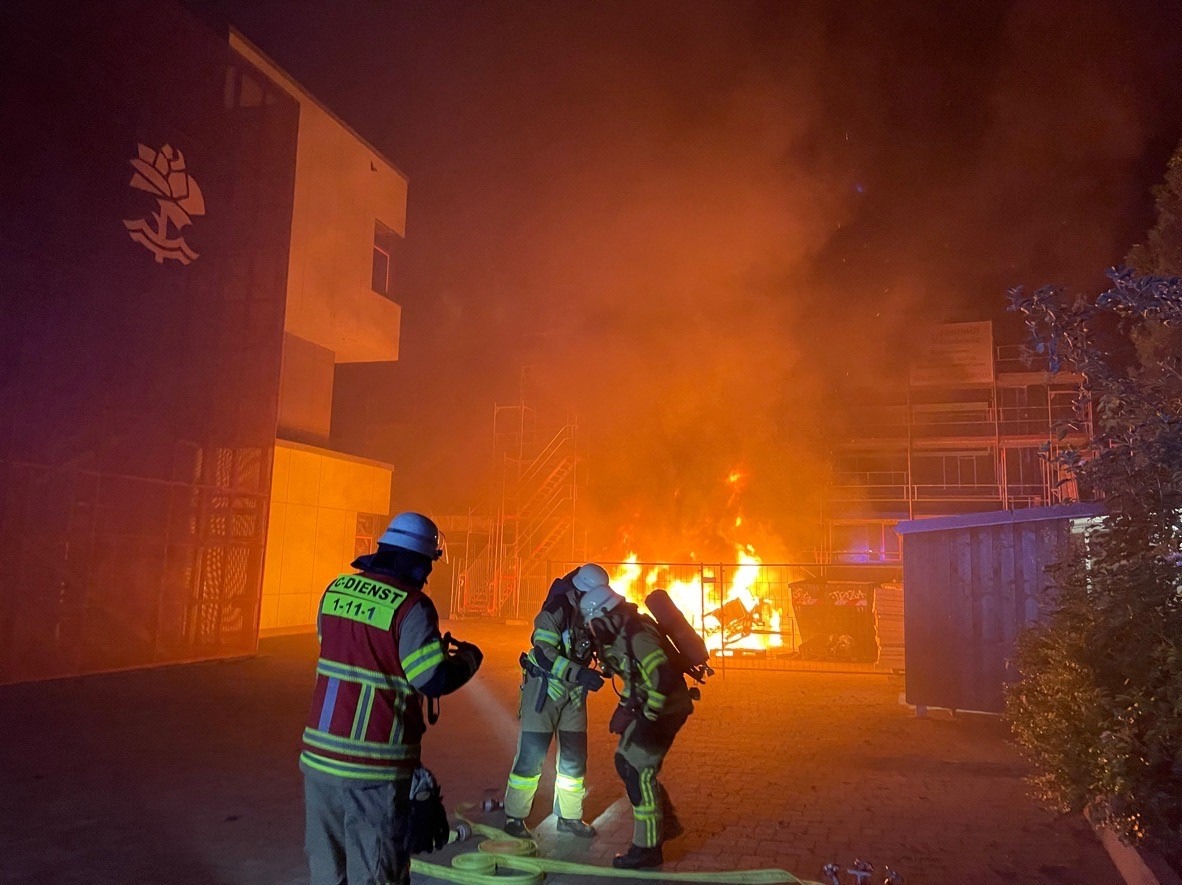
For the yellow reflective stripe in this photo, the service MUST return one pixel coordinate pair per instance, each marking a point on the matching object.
(349, 673)
(361, 714)
(433, 647)
(566, 782)
(646, 812)
(392, 752)
(549, 636)
(651, 661)
(561, 665)
(418, 662)
(355, 770)
(523, 782)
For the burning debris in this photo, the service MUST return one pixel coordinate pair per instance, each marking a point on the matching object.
(739, 614)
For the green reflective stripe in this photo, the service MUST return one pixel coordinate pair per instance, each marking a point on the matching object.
(433, 647)
(549, 636)
(655, 698)
(647, 813)
(561, 665)
(354, 769)
(361, 715)
(523, 782)
(651, 661)
(421, 661)
(392, 752)
(349, 673)
(555, 690)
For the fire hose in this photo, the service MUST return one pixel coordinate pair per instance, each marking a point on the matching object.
(504, 860)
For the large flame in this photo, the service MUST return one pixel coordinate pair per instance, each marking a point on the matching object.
(739, 616)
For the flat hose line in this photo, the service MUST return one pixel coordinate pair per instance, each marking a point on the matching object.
(505, 860)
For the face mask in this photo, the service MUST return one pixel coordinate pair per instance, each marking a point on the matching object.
(602, 631)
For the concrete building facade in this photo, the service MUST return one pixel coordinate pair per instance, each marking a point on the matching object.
(348, 217)
(189, 246)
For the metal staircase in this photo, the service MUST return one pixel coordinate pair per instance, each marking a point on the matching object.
(504, 572)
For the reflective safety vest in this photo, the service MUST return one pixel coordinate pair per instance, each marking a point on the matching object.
(366, 720)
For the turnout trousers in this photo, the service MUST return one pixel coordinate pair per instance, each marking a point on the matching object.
(568, 719)
(639, 756)
(355, 831)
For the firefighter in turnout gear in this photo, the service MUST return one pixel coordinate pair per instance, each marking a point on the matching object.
(380, 654)
(557, 674)
(654, 705)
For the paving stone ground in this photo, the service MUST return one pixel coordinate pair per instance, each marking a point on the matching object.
(186, 776)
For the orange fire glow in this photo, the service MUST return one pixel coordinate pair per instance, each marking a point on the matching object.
(731, 605)
(711, 609)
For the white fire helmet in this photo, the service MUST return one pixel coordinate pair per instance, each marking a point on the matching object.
(598, 601)
(415, 532)
(589, 576)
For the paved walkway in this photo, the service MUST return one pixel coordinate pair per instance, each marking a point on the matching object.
(187, 776)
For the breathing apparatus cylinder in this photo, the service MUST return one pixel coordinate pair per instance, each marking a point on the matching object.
(672, 622)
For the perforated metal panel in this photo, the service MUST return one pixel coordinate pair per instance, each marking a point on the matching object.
(138, 379)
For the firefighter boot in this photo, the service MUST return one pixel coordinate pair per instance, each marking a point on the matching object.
(516, 828)
(636, 857)
(576, 827)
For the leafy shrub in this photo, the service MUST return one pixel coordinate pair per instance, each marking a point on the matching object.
(1098, 706)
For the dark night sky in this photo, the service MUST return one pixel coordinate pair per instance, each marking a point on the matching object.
(703, 221)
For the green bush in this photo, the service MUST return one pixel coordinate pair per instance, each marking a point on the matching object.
(1098, 706)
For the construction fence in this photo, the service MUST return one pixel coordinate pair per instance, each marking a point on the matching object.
(758, 616)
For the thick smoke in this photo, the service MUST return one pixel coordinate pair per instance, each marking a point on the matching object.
(711, 227)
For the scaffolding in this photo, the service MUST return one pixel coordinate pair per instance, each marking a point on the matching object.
(502, 554)
(952, 448)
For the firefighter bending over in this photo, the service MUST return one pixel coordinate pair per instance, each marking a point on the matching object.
(654, 705)
(557, 674)
(380, 653)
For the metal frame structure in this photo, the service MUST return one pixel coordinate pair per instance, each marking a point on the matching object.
(502, 556)
(771, 634)
(949, 449)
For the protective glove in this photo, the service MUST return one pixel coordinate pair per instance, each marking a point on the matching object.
(621, 719)
(589, 679)
(470, 654)
(427, 828)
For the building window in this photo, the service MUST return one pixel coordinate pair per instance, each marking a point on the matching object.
(384, 240)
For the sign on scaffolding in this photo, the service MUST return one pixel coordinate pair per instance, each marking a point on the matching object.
(955, 353)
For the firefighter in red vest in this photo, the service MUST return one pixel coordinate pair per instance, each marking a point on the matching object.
(380, 653)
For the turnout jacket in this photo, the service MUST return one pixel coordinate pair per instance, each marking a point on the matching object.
(554, 655)
(380, 650)
(653, 684)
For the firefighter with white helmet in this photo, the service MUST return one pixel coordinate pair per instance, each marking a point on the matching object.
(380, 654)
(654, 705)
(557, 674)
